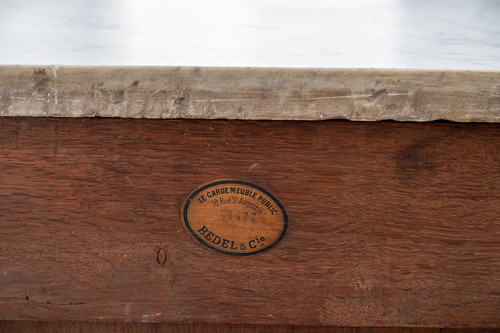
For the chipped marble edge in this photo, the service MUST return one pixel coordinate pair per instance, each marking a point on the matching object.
(249, 93)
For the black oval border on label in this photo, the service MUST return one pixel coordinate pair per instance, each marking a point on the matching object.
(221, 182)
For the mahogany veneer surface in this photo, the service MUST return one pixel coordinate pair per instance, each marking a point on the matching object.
(389, 224)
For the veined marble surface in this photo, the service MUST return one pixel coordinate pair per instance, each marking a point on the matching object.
(249, 93)
(400, 34)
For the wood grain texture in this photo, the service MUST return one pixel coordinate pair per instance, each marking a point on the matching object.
(390, 224)
(98, 327)
(249, 93)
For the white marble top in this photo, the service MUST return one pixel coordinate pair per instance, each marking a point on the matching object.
(404, 34)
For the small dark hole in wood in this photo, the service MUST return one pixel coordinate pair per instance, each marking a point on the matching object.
(161, 257)
(27, 298)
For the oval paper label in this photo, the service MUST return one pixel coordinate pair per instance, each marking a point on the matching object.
(234, 217)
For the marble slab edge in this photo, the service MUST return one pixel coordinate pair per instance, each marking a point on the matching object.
(249, 93)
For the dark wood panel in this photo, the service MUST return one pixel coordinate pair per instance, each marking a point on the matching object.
(97, 327)
(390, 224)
